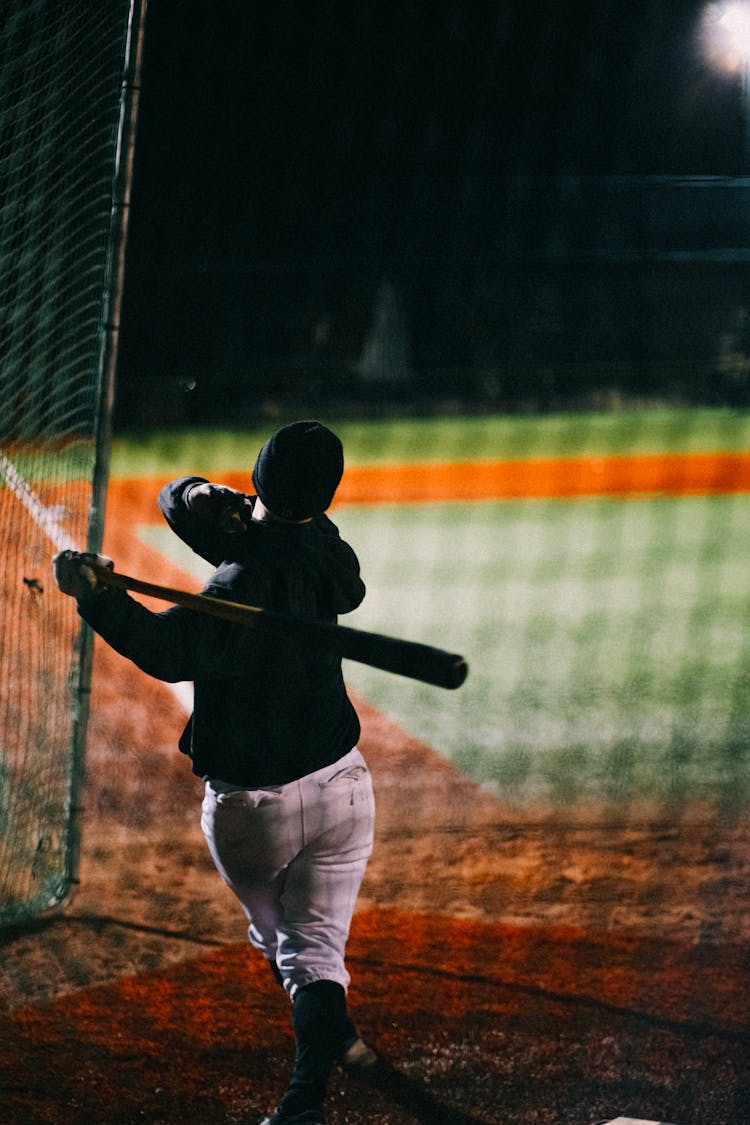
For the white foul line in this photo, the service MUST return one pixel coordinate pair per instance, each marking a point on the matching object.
(46, 519)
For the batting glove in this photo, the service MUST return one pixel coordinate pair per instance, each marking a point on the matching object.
(74, 574)
(223, 506)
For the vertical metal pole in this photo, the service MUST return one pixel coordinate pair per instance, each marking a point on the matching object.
(118, 239)
(123, 174)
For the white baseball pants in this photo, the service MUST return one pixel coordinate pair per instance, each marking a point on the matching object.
(295, 855)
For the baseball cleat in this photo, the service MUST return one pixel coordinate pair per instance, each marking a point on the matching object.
(308, 1117)
(358, 1057)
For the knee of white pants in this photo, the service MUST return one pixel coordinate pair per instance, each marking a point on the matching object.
(311, 952)
(300, 977)
(299, 966)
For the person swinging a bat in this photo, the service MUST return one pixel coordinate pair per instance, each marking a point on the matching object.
(288, 810)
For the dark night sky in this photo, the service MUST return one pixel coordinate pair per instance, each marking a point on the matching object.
(274, 119)
(365, 134)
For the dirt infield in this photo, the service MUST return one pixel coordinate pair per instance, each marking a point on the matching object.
(512, 967)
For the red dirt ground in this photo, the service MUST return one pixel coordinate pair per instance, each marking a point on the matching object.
(683, 474)
(513, 967)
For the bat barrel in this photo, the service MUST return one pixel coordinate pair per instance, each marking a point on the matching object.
(408, 658)
(391, 654)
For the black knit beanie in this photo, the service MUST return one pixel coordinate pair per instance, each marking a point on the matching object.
(298, 470)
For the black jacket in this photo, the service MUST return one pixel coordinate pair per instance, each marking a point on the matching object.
(267, 709)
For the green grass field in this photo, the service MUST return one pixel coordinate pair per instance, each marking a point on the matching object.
(449, 439)
(607, 639)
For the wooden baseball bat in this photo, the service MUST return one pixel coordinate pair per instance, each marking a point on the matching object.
(391, 654)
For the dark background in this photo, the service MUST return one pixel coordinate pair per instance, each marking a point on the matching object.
(368, 205)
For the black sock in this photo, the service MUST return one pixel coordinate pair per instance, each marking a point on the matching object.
(321, 1025)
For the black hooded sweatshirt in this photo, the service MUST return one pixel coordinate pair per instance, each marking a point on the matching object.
(267, 709)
